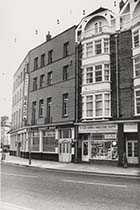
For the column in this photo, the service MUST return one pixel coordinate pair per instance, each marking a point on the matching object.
(139, 144)
(40, 141)
(121, 143)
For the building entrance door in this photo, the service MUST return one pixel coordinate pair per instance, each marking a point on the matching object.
(85, 151)
(65, 154)
(132, 151)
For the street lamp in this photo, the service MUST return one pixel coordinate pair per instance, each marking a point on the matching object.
(29, 145)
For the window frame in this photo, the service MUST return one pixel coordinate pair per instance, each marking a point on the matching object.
(49, 79)
(50, 56)
(41, 108)
(65, 72)
(65, 105)
(42, 80)
(66, 49)
(137, 106)
(35, 63)
(136, 38)
(42, 61)
(34, 83)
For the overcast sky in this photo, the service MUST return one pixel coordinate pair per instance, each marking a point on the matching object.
(19, 19)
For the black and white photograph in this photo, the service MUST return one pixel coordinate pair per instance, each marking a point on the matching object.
(70, 105)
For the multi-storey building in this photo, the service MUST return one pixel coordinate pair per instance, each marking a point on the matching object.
(5, 126)
(50, 98)
(19, 108)
(82, 92)
(110, 120)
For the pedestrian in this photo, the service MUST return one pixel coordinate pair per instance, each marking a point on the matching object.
(124, 160)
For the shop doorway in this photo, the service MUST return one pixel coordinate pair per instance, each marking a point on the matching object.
(85, 151)
(65, 154)
(132, 151)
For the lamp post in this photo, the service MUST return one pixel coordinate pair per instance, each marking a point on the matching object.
(29, 145)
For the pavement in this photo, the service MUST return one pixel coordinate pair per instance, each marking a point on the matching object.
(74, 167)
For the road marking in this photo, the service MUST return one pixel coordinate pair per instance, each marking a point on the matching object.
(21, 175)
(13, 206)
(93, 183)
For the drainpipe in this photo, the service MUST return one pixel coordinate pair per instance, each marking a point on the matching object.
(117, 74)
(76, 102)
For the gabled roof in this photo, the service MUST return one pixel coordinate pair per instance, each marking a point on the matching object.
(101, 9)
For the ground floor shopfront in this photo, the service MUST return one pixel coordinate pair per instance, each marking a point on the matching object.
(105, 142)
(46, 143)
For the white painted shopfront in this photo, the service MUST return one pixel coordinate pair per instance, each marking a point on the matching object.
(99, 141)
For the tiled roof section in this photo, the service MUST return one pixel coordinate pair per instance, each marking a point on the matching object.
(101, 9)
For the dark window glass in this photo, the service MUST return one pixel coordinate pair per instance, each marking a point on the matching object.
(65, 72)
(35, 83)
(43, 60)
(36, 63)
(50, 56)
(65, 105)
(65, 50)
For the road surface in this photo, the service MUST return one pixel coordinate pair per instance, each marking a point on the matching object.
(27, 188)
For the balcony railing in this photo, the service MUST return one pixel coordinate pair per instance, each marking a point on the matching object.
(97, 31)
(135, 20)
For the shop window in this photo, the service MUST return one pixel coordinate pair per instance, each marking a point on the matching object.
(89, 49)
(104, 149)
(49, 142)
(35, 141)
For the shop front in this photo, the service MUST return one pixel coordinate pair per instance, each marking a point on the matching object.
(65, 138)
(131, 142)
(99, 142)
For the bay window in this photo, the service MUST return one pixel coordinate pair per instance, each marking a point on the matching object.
(98, 105)
(89, 49)
(89, 75)
(136, 38)
(106, 45)
(137, 98)
(98, 73)
(137, 66)
(98, 47)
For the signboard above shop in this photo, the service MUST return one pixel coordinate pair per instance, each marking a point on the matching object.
(98, 128)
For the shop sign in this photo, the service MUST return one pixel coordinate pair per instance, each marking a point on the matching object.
(102, 128)
(26, 84)
(110, 136)
(130, 127)
(50, 134)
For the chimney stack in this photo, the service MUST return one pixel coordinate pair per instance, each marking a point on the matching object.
(48, 36)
